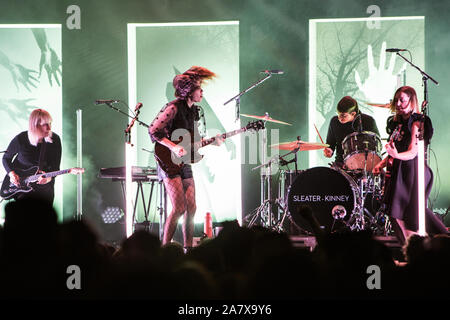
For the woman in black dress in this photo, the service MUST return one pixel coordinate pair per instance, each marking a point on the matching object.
(400, 191)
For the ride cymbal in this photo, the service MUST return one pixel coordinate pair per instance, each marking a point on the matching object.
(304, 146)
(265, 118)
(379, 105)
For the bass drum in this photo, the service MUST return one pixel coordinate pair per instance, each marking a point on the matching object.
(331, 194)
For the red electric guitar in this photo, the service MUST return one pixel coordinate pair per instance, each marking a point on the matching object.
(172, 164)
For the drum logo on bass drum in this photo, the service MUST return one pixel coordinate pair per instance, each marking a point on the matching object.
(318, 198)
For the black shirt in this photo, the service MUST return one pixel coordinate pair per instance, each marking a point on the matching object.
(403, 140)
(338, 131)
(175, 115)
(22, 155)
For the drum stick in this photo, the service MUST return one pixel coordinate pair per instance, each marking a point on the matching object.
(318, 132)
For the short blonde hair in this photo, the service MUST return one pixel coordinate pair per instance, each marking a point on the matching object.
(37, 117)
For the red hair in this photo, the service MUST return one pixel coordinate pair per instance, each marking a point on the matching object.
(190, 80)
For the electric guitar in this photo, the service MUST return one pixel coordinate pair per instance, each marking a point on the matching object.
(171, 163)
(28, 179)
(390, 163)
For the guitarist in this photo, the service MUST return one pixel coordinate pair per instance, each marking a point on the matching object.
(181, 113)
(24, 152)
(401, 192)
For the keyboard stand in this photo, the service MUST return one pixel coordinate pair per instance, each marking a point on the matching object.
(162, 207)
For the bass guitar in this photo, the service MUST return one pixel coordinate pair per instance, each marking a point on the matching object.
(28, 181)
(171, 163)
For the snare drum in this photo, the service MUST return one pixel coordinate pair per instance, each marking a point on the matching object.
(355, 146)
(331, 193)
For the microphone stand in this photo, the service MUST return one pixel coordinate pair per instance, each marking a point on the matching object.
(135, 118)
(421, 150)
(264, 169)
(129, 207)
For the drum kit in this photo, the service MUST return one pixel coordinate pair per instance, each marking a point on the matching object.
(341, 198)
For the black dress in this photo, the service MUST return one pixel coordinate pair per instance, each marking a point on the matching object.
(401, 197)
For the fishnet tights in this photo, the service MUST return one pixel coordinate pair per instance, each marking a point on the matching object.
(182, 196)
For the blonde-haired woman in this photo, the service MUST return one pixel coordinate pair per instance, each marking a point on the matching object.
(400, 194)
(38, 147)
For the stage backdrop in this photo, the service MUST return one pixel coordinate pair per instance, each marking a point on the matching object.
(348, 58)
(24, 50)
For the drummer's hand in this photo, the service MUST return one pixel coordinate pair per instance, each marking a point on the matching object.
(328, 152)
(392, 150)
(219, 140)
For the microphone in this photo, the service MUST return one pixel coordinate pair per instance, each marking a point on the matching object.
(395, 50)
(272, 71)
(138, 106)
(106, 101)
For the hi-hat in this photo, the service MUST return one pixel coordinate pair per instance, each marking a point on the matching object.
(266, 117)
(304, 146)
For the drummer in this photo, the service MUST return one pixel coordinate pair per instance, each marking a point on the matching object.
(349, 119)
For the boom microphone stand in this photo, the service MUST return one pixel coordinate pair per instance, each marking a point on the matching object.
(237, 97)
(422, 151)
(265, 178)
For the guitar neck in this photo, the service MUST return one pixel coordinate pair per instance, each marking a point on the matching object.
(46, 175)
(224, 136)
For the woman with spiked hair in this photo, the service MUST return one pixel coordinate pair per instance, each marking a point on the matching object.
(37, 147)
(180, 114)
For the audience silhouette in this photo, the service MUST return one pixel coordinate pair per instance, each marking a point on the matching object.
(240, 263)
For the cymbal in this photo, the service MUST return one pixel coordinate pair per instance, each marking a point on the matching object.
(265, 118)
(379, 105)
(304, 146)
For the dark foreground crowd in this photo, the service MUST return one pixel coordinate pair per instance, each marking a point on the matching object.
(239, 264)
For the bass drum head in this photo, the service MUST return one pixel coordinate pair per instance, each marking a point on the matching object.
(327, 192)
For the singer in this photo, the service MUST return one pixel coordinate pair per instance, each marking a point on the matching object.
(349, 119)
(181, 113)
(400, 193)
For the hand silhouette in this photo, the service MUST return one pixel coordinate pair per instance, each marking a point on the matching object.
(20, 106)
(18, 109)
(51, 63)
(381, 83)
(22, 75)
